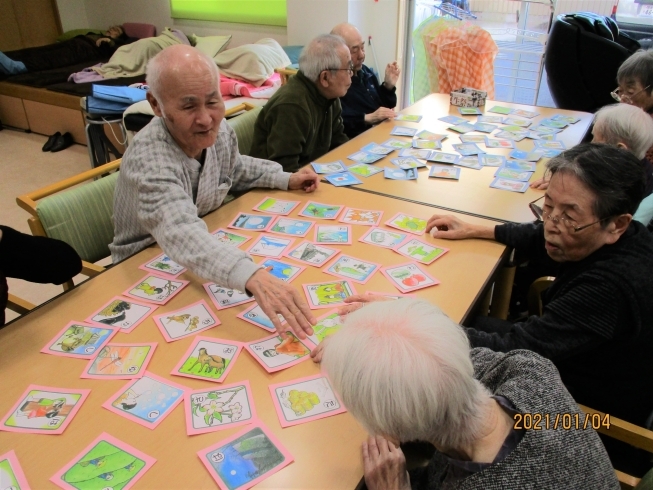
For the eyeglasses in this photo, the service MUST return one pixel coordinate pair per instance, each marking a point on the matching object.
(570, 224)
(626, 99)
(349, 69)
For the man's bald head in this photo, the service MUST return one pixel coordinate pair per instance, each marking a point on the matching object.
(354, 41)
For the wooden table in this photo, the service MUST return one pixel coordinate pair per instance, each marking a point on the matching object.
(472, 194)
(326, 452)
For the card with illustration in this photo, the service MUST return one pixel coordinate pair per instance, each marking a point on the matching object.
(12, 476)
(326, 325)
(400, 174)
(498, 143)
(420, 251)
(415, 152)
(229, 237)
(408, 277)
(349, 267)
(329, 167)
(355, 216)
(470, 111)
(333, 234)
(282, 270)
(462, 128)
(208, 358)
(470, 162)
(306, 399)
(270, 246)
(550, 145)
(563, 118)
(342, 179)
(405, 163)
(208, 410)
(406, 223)
(506, 173)
(452, 119)
(364, 157)
(186, 321)
(328, 294)
(534, 135)
(156, 289)
(120, 361)
(440, 157)
(251, 222)
(516, 129)
(320, 210)
(224, 297)
(485, 127)
(125, 314)
(491, 160)
(396, 144)
(489, 119)
(44, 410)
(383, 238)
(254, 315)
(546, 130)
(403, 131)
(441, 172)
(427, 144)
(377, 149)
(516, 121)
(520, 165)
(290, 226)
(497, 109)
(508, 135)
(518, 154)
(408, 117)
(275, 353)
(547, 153)
(472, 138)
(147, 400)
(551, 123)
(312, 253)
(467, 149)
(364, 170)
(276, 206)
(234, 465)
(163, 265)
(79, 340)
(509, 185)
(523, 113)
(428, 135)
(105, 463)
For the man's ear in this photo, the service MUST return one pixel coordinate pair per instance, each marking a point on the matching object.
(622, 146)
(154, 104)
(324, 78)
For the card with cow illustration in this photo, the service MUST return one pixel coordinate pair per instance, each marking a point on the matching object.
(209, 359)
(120, 361)
(187, 321)
(163, 265)
(125, 314)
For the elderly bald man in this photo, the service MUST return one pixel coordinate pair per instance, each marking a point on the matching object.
(366, 103)
(180, 167)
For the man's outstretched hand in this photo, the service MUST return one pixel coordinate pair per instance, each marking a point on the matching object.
(304, 179)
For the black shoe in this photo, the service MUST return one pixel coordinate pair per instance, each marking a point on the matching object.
(62, 142)
(48, 144)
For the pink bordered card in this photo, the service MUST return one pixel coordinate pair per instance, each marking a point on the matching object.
(312, 253)
(164, 266)
(383, 238)
(79, 340)
(251, 222)
(232, 465)
(304, 400)
(147, 400)
(211, 409)
(275, 353)
(326, 325)
(420, 251)
(125, 314)
(282, 270)
(120, 361)
(223, 298)
(106, 456)
(254, 315)
(276, 206)
(44, 410)
(320, 210)
(186, 321)
(156, 289)
(270, 246)
(333, 234)
(291, 226)
(366, 217)
(209, 359)
(12, 476)
(406, 223)
(328, 294)
(408, 277)
(227, 237)
(351, 268)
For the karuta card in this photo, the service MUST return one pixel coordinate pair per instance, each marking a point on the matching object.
(403, 131)
(147, 400)
(117, 466)
(551, 123)
(550, 145)
(406, 223)
(320, 210)
(44, 410)
(441, 172)
(428, 135)
(462, 128)
(254, 315)
(523, 113)
(234, 465)
(125, 314)
(383, 238)
(497, 109)
(546, 129)
(12, 476)
(342, 179)
(290, 226)
(408, 117)
(276, 206)
(499, 143)
(208, 358)
(453, 119)
(516, 129)
(163, 265)
(312, 253)
(472, 138)
(282, 270)
(208, 410)
(396, 144)
(520, 165)
(427, 144)
(516, 121)
(326, 325)
(270, 246)
(466, 149)
(186, 321)
(328, 294)
(489, 119)
(420, 251)
(156, 289)
(440, 157)
(400, 174)
(485, 127)
(510, 136)
(470, 162)
(518, 154)
(275, 353)
(405, 163)
(491, 160)
(333, 234)
(364, 157)
(469, 111)
(415, 152)
(230, 238)
(306, 399)
(348, 267)
(79, 340)
(364, 170)
(251, 222)
(408, 277)
(224, 297)
(355, 216)
(506, 173)
(377, 149)
(547, 153)
(120, 361)
(329, 167)
(563, 118)
(509, 185)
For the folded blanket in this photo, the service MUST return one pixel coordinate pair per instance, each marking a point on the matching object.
(237, 88)
(253, 63)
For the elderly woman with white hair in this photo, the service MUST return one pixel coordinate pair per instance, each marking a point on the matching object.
(405, 371)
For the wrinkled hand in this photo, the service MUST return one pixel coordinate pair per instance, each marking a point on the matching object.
(357, 301)
(451, 228)
(384, 465)
(540, 184)
(316, 354)
(381, 114)
(305, 179)
(392, 73)
(102, 40)
(277, 297)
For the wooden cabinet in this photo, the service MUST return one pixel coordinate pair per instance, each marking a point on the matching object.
(28, 23)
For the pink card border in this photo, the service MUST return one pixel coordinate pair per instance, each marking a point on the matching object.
(301, 213)
(179, 289)
(335, 305)
(416, 264)
(278, 235)
(157, 271)
(187, 415)
(107, 404)
(408, 239)
(272, 216)
(149, 461)
(241, 315)
(374, 244)
(46, 350)
(269, 230)
(247, 238)
(258, 424)
(18, 470)
(389, 224)
(152, 307)
(159, 323)
(141, 372)
(287, 254)
(378, 221)
(197, 340)
(331, 244)
(77, 391)
(255, 208)
(248, 348)
(378, 268)
(215, 303)
(302, 268)
(282, 420)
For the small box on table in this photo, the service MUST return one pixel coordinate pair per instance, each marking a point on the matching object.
(468, 97)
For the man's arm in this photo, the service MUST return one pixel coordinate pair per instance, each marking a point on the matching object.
(287, 127)
(338, 136)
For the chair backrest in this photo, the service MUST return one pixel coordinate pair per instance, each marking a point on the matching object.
(243, 125)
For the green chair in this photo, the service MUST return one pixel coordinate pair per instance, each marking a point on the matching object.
(243, 125)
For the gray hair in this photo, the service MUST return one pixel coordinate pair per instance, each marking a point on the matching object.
(627, 124)
(403, 369)
(638, 67)
(320, 54)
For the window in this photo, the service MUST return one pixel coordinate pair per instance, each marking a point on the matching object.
(266, 12)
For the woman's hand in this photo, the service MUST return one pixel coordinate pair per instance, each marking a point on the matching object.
(384, 465)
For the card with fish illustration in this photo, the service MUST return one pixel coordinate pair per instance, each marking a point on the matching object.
(326, 325)
(251, 222)
(564, 118)
(497, 109)
(364, 157)
(442, 172)
(453, 119)
(230, 238)
(120, 361)
(462, 128)
(364, 170)
(550, 145)
(255, 315)
(415, 152)
(209, 359)
(156, 289)
(489, 119)
(472, 138)
(105, 463)
(291, 226)
(508, 135)
(377, 149)
(470, 162)
(186, 321)
(79, 340)
(147, 400)
(328, 294)
(12, 476)
(233, 465)
(517, 121)
(383, 238)
(275, 353)
(470, 111)
(405, 163)
(523, 113)
(222, 297)
(276, 206)
(333, 234)
(403, 131)
(304, 400)
(44, 410)
(282, 270)
(209, 410)
(312, 253)
(320, 210)
(485, 127)
(329, 167)
(506, 173)
(270, 246)
(125, 314)
(420, 251)
(408, 277)
(400, 174)
(406, 223)
(467, 149)
(427, 144)
(509, 185)
(428, 135)
(520, 165)
(367, 217)
(342, 179)
(491, 160)
(498, 143)
(408, 117)
(163, 265)
(396, 144)
(349, 267)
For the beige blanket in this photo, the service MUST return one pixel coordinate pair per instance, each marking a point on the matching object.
(253, 63)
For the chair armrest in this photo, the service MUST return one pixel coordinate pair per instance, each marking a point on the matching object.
(19, 305)
(626, 481)
(624, 431)
(91, 270)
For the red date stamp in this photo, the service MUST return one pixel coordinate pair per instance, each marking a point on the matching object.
(564, 421)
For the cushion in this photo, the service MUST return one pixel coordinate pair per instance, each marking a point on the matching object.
(77, 32)
(253, 63)
(139, 29)
(243, 126)
(293, 53)
(209, 45)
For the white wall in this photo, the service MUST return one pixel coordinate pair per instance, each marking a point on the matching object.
(73, 14)
(309, 18)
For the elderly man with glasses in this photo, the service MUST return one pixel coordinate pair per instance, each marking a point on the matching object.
(303, 120)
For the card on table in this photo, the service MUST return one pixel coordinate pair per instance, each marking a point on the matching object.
(420, 251)
(355, 216)
(546, 130)
(547, 153)
(534, 135)
(405, 163)
(334, 234)
(516, 129)
(470, 111)
(326, 325)
(400, 174)
(209, 359)
(472, 138)
(428, 135)
(164, 265)
(79, 340)
(329, 167)
(485, 127)
(427, 144)
(499, 143)
(156, 289)
(550, 145)
(506, 173)
(120, 361)
(509, 185)
(312, 253)
(230, 238)
(406, 223)
(44, 410)
(467, 149)
(186, 321)
(349, 267)
(408, 277)
(508, 135)
(291, 226)
(551, 123)
(270, 246)
(328, 294)
(147, 400)
(523, 113)
(342, 179)
(403, 131)
(251, 222)
(441, 172)
(453, 119)
(320, 210)
(408, 117)
(377, 149)
(415, 152)
(276, 206)
(282, 270)
(364, 157)
(497, 109)
(440, 157)
(254, 315)
(12, 476)
(492, 160)
(397, 144)
(125, 314)
(470, 162)
(462, 128)
(224, 297)
(275, 353)
(517, 121)
(532, 156)
(563, 118)
(520, 165)
(489, 119)
(383, 238)
(364, 170)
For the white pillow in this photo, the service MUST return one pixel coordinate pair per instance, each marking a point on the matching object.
(209, 45)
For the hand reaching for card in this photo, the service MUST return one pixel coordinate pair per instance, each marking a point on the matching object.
(451, 228)
(384, 465)
(381, 114)
(304, 179)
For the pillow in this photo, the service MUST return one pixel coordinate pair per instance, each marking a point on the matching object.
(293, 53)
(77, 32)
(209, 45)
(253, 63)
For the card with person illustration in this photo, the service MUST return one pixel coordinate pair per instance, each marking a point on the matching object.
(276, 206)
(255, 315)
(291, 226)
(163, 265)
(186, 321)
(383, 238)
(156, 289)
(123, 313)
(348, 267)
(329, 167)
(320, 210)
(420, 251)
(312, 253)
(79, 340)
(364, 170)
(408, 277)
(355, 216)
(270, 246)
(409, 224)
(333, 234)
(222, 297)
(275, 353)
(208, 358)
(328, 294)
(230, 238)
(12, 476)
(120, 361)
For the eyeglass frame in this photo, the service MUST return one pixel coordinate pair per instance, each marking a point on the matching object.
(619, 98)
(350, 68)
(539, 214)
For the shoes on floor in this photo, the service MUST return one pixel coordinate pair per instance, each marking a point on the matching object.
(62, 142)
(51, 140)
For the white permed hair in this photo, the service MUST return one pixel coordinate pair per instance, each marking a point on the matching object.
(627, 124)
(403, 369)
(320, 54)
